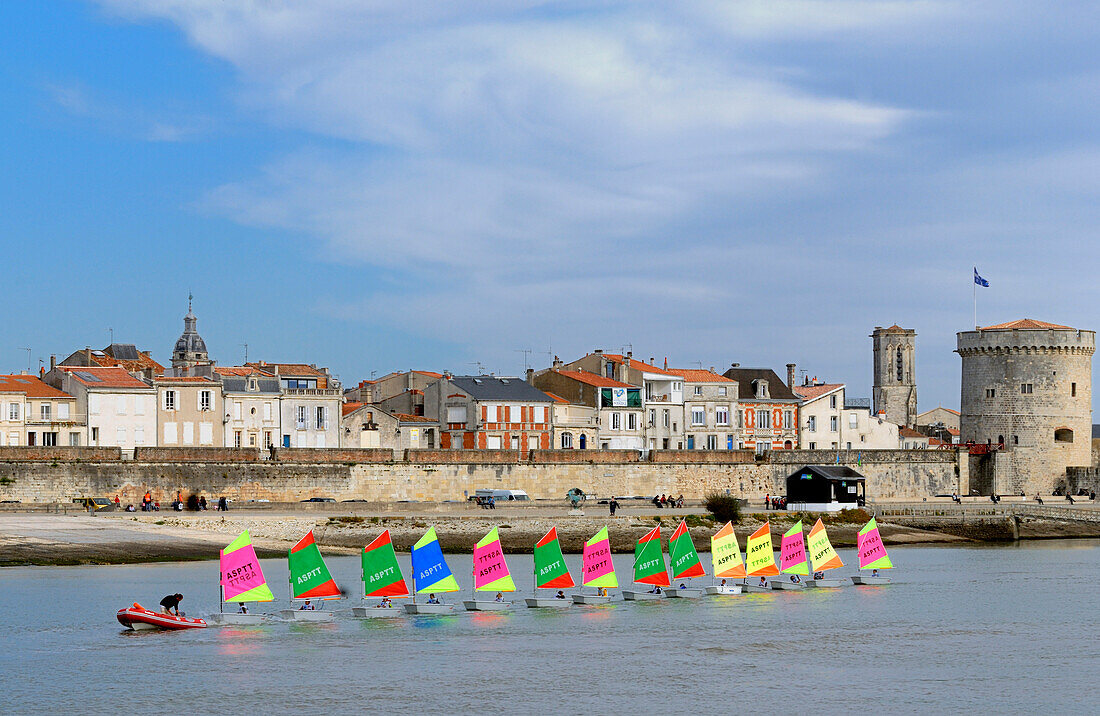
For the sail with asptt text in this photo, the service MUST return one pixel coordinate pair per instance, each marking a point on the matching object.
(872, 552)
(490, 568)
(242, 580)
(822, 554)
(430, 572)
(381, 573)
(309, 575)
(759, 555)
(725, 554)
(792, 551)
(550, 569)
(649, 560)
(597, 569)
(682, 554)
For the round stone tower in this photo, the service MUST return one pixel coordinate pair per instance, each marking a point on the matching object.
(190, 351)
(895, 374)
(1027, 394)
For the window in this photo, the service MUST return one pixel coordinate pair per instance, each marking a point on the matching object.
(267, 411)
(515, 414)
(515, 442)
(1027, 388)
(763, 419)
(652, 418)
(609, 370)
(740, 419)
(567, 441)
(492, 442)
(991, 392)
(811, 424)
(698, 416)
(62, 411)
(139, 404)
(188, 433)
(322, 414)
(698, 390)
(120, 435)
(49, 439)
(813, 446)
(1015, 439)
(490, 415)
(95, 436)
(120, 404)
(631, 421)
(457, 414)
(206, 399)
(46, 411)
(616, 421)
(93, 404)
(303, 417)
(267, 438)
(237, 438)
(788, 419)
(849, 445)
(236, 410)
(762, 447)
(252, 440)
(853, 421)
(900, 364)
(303, 383)
(832, 424)
(722, 390)
(677, 386)
(13, 411)
(206, 433)
(1073, 390)
(832, 402)
(1063, 435)
(722, 415)
(666, 418)
(74, 439)
(712, 442)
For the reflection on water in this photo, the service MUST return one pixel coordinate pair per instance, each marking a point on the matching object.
(961, 628)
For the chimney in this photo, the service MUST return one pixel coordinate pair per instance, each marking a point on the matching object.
(666, 362)
(53, 362)
(598, 351)
(735, 365)
(557, 363)
(712, 369)
(41, 372)
(531, 376)
(790, 375)
(626, 361)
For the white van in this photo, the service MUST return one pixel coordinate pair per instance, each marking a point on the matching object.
(502, 495)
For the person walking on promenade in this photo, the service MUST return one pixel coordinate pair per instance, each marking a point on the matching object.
(612, 506)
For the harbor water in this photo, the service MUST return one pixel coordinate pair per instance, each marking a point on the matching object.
(997, 628)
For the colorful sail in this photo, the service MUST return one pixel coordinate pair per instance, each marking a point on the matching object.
(550, 569)
(649, 560)
(682, 554)
(309, 575)
(725, 553)
(759, 556)
(872, 553)
(490, 570)
(596, 566)
(430, 570)
(381, 573)
(792, 551)
(822, 553)
(242, 579)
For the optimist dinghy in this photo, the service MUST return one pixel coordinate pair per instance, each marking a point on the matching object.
(792, 559)
(649, 567)
(241, 581)
(872, 555)
(759, 559)
(685, 564)
(139, 618)
(382, 579)
(490, 574)
(597, 570)
(824, 557)
(550, 573)
(725, 560)
(430, 574)
(309, 580)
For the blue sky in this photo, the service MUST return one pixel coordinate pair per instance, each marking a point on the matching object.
(373, 186)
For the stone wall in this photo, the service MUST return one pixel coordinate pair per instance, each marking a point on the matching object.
(196, 454)
(890, 474)
(330, 455)
(1086, 477)
(38, 452)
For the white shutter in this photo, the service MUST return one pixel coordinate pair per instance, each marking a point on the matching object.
(62, 411)
(267, 411)
(206, 433)
(139, 404)
(139, 435)
(456, 414)
(170, 434)
(93, 403)
(236, 410)
(188, 433)
(120, 435)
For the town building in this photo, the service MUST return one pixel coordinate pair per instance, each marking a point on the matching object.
(35, 413)
(189, 410)
(487, 412)
(574, 426)
(910, 439)
(830, 421)
(1027, 398)
(137, 363)
(710, 410)
(189, 357)
(767, 416)
(400, 392)
(368, 426)
(251, 407)
(619, 411)
(309, 406)
(895, 378)
(121, 410)
(946, 417)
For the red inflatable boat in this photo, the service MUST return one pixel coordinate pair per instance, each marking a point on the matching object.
(138, 617)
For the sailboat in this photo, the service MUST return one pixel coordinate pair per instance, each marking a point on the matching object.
(241, 581)
(725, 561)
(430, 574)
(872, 555)
(823, 557)
(792, 558)
(550, 572)
(759, 559)
(382, 578)
(310, 580)
(649, 567)
(490, 575)
(684, 562)
(597, 570)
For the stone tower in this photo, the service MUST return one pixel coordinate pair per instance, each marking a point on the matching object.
(190, 356)
(895, 379)
(1027, 385)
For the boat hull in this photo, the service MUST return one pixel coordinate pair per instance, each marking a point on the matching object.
(755, 588)
(591, 599)
(486, 605)
(139, 618)
(306, 615)
(375, 612)
(235, 619)
(869, 581)
(632, 596)
(429, 608)
(547, 603)
(827, 583)
(787, 585)
(726, 591)
(686, 593)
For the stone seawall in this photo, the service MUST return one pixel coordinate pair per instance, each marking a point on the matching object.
(890, 474)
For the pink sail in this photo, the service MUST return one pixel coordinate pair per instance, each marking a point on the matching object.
(241, 575)
(598, 569)
(490, 569)
(792, 551)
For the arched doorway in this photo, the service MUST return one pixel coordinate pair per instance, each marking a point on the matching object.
(583, 442)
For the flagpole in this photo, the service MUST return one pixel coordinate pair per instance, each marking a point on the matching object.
(975, 287)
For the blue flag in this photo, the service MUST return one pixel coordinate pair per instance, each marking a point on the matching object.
(979, 280)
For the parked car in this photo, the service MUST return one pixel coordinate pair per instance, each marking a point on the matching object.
(319, 499)
(99, 503)
(502, 495)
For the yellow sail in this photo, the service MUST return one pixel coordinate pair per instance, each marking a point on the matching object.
(822, 553)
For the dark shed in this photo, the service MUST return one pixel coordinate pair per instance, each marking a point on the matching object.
(825, 483)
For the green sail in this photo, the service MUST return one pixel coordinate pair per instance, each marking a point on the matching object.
(309, 576)
(649, 560)
(550, 569)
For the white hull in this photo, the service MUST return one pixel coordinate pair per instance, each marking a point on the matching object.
(827, 583)
(688, 593)
(237, 619)
(755, 588)
(591, 599)
(375, 612)
(728, 590)
(632, 596)
(544, 603)
(787, 585)
(429, 608)
(306, 615)
(486, 605)
(861, 579)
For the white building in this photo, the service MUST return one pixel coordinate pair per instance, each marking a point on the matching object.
(251, 407)
(310, 404)
(831, 423)
(710, 410)
(121, 410)
(34, 413)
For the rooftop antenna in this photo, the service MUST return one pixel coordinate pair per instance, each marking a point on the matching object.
(243, 344)
(526, 352)
(700, 364)
(480, 367)
(111, 332)
(627, 347)
(372, 374)
(28, 350)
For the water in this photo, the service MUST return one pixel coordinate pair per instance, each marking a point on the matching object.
(1007, 628)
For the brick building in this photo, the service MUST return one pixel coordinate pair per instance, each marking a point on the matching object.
(618, 405)
(486, 412)
(768, 409)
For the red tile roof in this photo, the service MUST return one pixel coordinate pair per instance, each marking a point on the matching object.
(592, 379)
(952, 431)
(430, 374)
(242, 370)
(31, 385)
(183, 379)
(349, 408)
(557, 398)
(107, 377)
(406, 418)
(692, 375)
(809, 392)
(293, 370)
(1026, 323)
(907, 432)
(638, 364)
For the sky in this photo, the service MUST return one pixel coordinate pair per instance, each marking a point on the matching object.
(377, 186)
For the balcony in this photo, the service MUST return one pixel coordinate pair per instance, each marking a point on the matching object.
(73, 419)
(314, 392)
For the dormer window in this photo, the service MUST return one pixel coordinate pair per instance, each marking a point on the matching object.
(760, 388)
